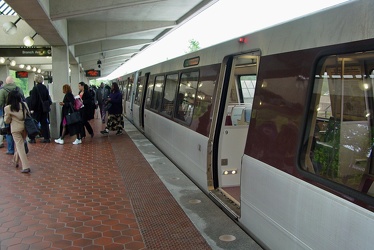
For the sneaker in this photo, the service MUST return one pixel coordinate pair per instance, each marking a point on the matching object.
(59, 141)
(105, 132)
(119, 132)
(77, 141)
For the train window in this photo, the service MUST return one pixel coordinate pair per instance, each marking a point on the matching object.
(149, 95)
(157, 93)
(168, 101)
(139, 91)
(186, 96)
(247, 88)
(341, 139)
(128, 90)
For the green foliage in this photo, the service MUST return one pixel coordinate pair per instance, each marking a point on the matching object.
(23, 83)
(193, 45)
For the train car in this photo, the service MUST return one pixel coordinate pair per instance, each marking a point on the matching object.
(275, 126)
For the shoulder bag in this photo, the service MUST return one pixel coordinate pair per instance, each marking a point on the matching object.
(31, 125)
(45, 104)
(73, 116)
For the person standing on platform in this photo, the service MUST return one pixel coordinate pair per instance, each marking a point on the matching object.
(115, 117)
(39, 95)
(67, 105)
(7, 88)
(102, 94)
(87, 112)
(15, 112)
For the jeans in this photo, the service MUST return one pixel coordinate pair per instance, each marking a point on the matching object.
(10, 142)
(1, 125)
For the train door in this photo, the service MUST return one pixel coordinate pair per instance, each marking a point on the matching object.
(126, 99)
(139, 97)
(232, 127)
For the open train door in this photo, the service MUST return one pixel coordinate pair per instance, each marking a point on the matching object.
(235, 95)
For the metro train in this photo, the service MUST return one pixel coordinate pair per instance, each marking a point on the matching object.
(275, 126)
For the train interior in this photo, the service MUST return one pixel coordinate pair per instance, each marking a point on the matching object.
(341, 141)
(235, 125)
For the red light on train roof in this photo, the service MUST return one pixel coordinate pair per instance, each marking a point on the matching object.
(243, 40)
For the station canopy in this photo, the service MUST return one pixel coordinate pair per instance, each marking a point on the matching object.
(100, 35)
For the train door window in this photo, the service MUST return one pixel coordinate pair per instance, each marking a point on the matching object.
(139, 91)
(149, 95)
(128, 90)
(157, 93)
(241, 93)
(341, 139)
(168, 101)
(186, 96)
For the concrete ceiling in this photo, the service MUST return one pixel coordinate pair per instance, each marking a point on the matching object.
(112, 31)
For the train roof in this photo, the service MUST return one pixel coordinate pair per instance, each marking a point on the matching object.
(347, 22)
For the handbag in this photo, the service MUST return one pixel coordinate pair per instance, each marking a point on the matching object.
(78, 103)
(73, 117)
(5, 131)
(107, 106)
(31, 125)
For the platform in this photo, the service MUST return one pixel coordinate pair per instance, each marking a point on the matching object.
(111, 192)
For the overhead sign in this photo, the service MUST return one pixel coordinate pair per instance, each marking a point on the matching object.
(22, 74)
(93, 73)
(13, 52)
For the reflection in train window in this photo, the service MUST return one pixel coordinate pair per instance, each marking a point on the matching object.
(149, 95)
(168, 101)
(139, 90)
(186, 96)
(341, 139)
(157, 93)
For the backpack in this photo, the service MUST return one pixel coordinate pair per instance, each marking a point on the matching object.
(23, 99)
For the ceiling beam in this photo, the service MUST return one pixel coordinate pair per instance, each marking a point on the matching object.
(72, 8)
(110, 45)
(82, 31)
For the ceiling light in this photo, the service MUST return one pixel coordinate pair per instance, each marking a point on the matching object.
(39, 70)
(29, 41)
(34, 69)
(2, 60)
(10, 28)
(13, 63)
(28, 67)
(22, 66)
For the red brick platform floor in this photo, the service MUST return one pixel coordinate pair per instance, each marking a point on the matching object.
(101, 194)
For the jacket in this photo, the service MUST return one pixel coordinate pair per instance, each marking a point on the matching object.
(5, 90)
(16, 119)
(116, 100)
(36, 100)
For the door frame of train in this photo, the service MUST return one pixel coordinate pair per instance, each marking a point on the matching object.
(226, 78)
(145, 87)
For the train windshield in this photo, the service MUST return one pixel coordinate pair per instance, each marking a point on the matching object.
(341, 141)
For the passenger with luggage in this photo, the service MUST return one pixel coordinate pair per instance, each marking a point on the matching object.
(115, 117)
(68, 106)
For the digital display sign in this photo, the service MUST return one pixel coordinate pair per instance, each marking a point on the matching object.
(191, 62)
(93, 73)
(22, 74)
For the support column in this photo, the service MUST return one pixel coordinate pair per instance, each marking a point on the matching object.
(60, 76)
(30, 81)
(75, 78)
(3, 73)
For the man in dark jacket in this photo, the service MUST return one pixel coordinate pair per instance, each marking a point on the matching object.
(102, 94)
(39, 95)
